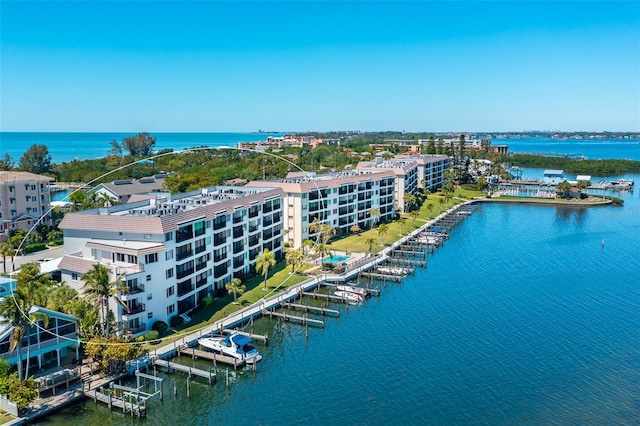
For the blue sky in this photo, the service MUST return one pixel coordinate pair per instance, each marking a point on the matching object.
(304, 66)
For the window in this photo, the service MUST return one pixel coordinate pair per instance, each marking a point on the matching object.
(169, 272)
(151, 258)
(168, 236)
(149, 296)
(168, 255)
(147, 236)
(148, 277)
(150, 315)
(171, 309)
(170, 291)
(74, 276)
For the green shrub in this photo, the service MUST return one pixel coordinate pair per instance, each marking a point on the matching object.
(175, 320)
(160, 326)
(152, 335)
(206, 301)
(30, 248)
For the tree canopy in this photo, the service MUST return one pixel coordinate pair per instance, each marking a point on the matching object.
(140, 145)
(36, 159)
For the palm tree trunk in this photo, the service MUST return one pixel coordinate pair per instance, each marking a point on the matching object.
(265, 280)
(105, 318)
(19, 348)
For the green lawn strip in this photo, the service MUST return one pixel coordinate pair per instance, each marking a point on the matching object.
(4, 418)
(279, 277)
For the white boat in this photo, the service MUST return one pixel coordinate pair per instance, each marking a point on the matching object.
(354, 289)
(234, 345)
(350, 298)
(392, 271)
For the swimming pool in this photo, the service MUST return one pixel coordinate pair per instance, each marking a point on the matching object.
(336, 259)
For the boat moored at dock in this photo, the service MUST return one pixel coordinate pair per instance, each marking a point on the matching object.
(234, 345)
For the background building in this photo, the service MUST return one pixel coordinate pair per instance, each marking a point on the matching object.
(341, 199)
(24, 198)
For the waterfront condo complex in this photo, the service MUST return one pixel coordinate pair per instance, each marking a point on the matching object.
(341, 199)
(171, 251)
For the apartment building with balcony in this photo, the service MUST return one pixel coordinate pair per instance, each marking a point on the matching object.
(341, 199)
(171, 251)
(405, 172)
(431, 168)
(51, 345)
(24, 199)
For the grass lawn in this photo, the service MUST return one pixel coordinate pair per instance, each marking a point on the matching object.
(4, 418)
(279, 278)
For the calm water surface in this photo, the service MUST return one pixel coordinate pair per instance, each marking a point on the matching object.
(523, 317)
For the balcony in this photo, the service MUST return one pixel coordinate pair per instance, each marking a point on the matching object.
(238, 232)
(238, 262)
(127, 291)
(238, 247)
(237, 218)
(254, 211)
(218, 241)
(254, 240)
(219, 223)
(218, 257)
(134, 309)
(141, 327)
(254, 228)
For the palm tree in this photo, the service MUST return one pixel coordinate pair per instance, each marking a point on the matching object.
(236, 287)
(441, 203)
(414, 215)
(382, 231)
(430, 209)
(294, 258)
(6, 249)
(355, 229)
(16, 312)
(306, 245)
(564, 187)
(99, 289)
(370, 242)
(323, 250)
(264, 262)
(409, 200)
(375, 214)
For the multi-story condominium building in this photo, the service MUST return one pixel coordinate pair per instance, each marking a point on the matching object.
(171, 251)
(24, 198)
(405, 172)
(431, 169)
(342, 200)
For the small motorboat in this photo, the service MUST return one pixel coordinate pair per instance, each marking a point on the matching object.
(350, 288)
(351, 298)
(393, 271)
(235, 345)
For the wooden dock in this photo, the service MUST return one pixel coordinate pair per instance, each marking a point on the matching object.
(112, 401)
(308, 308)
(382, 277)
(331, 297)
(264, 338)
(211, 356)
(191, 371)
(304, 320)
(372, 291)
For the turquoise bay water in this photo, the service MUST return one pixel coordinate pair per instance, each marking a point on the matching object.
(68, 146)
(83, 146)
(522, 317)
